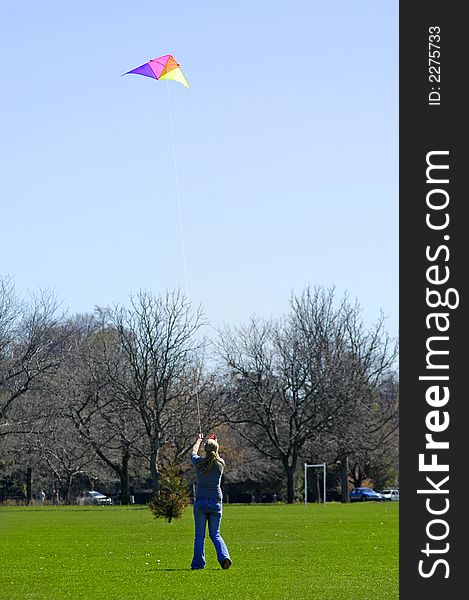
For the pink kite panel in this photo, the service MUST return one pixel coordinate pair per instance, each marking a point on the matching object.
(158, 64)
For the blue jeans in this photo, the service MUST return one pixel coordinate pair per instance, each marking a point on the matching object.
(208, 510)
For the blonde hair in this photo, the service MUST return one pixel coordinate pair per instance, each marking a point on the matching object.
(212, 457)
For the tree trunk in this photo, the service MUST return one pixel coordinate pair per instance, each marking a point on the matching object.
(67, 488)
(122, 470)
(124, 477)
(29, 485)
(290, 472)
(344, 477)
(357, 476)
(318, 487)
(290, 486)
(154, 475)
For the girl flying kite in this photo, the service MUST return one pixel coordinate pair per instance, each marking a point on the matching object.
(208, 501)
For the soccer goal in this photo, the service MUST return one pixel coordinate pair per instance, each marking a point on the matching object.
(316, 466)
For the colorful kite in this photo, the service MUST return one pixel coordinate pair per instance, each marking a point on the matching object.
(163, 67)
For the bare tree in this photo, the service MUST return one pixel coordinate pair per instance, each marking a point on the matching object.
(156, 338)
(63, 451)
(292, 378)
(356, 360)
(275, 398)
(30, 336)
(83, 387)
(202, 407)
(372, 440)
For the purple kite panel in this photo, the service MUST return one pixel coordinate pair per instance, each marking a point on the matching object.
(143, 70)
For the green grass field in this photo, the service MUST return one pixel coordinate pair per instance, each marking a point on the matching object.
(336, 552)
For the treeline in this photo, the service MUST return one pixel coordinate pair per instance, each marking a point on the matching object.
(118, 394)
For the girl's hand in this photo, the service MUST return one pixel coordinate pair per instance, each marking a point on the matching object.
(201, 436)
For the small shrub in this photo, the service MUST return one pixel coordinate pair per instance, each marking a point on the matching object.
(173, 496)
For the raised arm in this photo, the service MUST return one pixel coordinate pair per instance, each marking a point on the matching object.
(196, 446)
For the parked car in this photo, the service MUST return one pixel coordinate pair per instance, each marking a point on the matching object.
(391, 494)
(94, 497)
(364, 493)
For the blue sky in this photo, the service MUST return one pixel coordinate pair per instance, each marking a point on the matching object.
(286, 152)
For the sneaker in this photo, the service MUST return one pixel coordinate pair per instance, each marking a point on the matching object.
(226, 564)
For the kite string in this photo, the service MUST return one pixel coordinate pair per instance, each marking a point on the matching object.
(198, 411)
(181, 228)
